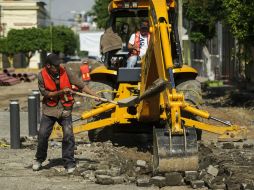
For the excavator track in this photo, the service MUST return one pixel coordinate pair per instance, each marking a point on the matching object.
(174, 152)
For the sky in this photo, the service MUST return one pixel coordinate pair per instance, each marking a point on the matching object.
(62, 10)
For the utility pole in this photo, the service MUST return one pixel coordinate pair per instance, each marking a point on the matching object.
(1, 28)
(180, 21)
(51, 28)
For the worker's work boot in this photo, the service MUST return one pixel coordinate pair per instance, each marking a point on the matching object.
(70, 170)
(37, 165)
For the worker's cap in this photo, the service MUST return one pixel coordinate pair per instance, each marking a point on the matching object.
(84, 61)
(144, 25)
(53, 59)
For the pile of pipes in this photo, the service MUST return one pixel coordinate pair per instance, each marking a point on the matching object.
(9, 77)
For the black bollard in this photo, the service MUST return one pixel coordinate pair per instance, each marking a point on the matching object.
(15, 124)
(36, 93)
(32, 115)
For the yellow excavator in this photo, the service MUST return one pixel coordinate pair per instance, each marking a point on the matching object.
(160, 93)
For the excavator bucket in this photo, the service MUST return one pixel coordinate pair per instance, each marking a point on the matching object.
(174, 152)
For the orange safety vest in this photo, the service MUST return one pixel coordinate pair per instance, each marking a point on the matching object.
(50, 85)
(85, 72)
(137, 42)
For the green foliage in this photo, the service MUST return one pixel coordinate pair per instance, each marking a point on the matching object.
(240, 17)
(61, 39)
(3, 45)
(203, 14)
(26, 41)
(30, 40)
(100, 11)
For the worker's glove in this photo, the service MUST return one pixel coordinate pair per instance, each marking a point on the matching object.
(98, 97)
(67, 91)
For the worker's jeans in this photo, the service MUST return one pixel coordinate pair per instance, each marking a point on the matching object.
(68, 142)
(132, 60)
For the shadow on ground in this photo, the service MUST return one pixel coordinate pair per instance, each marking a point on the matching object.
(228, 96)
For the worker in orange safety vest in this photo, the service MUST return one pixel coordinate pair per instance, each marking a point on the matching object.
(54, 82)
(138, 44)
(85, 71)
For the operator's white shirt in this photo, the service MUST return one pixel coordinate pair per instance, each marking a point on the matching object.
(143, 43)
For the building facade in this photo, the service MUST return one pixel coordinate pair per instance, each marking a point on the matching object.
(19, 14)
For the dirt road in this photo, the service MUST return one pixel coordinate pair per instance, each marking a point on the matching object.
(222, 165)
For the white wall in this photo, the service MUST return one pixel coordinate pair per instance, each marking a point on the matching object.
(23, 14)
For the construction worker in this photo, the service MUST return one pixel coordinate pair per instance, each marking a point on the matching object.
(85, 71)
(138, 44)
(54, 83)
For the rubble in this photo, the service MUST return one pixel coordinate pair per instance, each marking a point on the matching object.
(174, 179)
(114, 172)
(143, 182)
(130, 179)
(212, 170)
(233, 186)
(101, 172)
(245, 186)
(118, 179)
(104, 179)
(228, 145)
(222, 165)
(159, 181)
(248, 146)
(190, 176)
(197, 184)
(88, 174)
(218, 186)
(141, 163)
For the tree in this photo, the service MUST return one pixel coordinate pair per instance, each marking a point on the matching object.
(3, 45)
(6, 49)
(26, 41)
(240, 17)
(100, 11)
(61, 39)
(203, 16)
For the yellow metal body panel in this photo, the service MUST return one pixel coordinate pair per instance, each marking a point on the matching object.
(99, 110)
(185, 69)
(229, 133)
(103, 70)
(94, 125)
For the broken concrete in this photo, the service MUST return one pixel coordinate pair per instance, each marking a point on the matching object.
(212, 170)
(190, 176)
(118, 180)
(141, 163)
(101, 172)
(248, 146)
(143, 182)
(104, 179)
(158, 181)
(174, 179)
(197, 184)
(228, 145)
(233, 186)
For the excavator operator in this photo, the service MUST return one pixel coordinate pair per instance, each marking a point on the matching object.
(138, 44)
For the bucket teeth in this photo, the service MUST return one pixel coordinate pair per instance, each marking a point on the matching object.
(174, 152)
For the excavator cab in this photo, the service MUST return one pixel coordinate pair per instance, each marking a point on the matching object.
(123, 22)
(125, 18)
